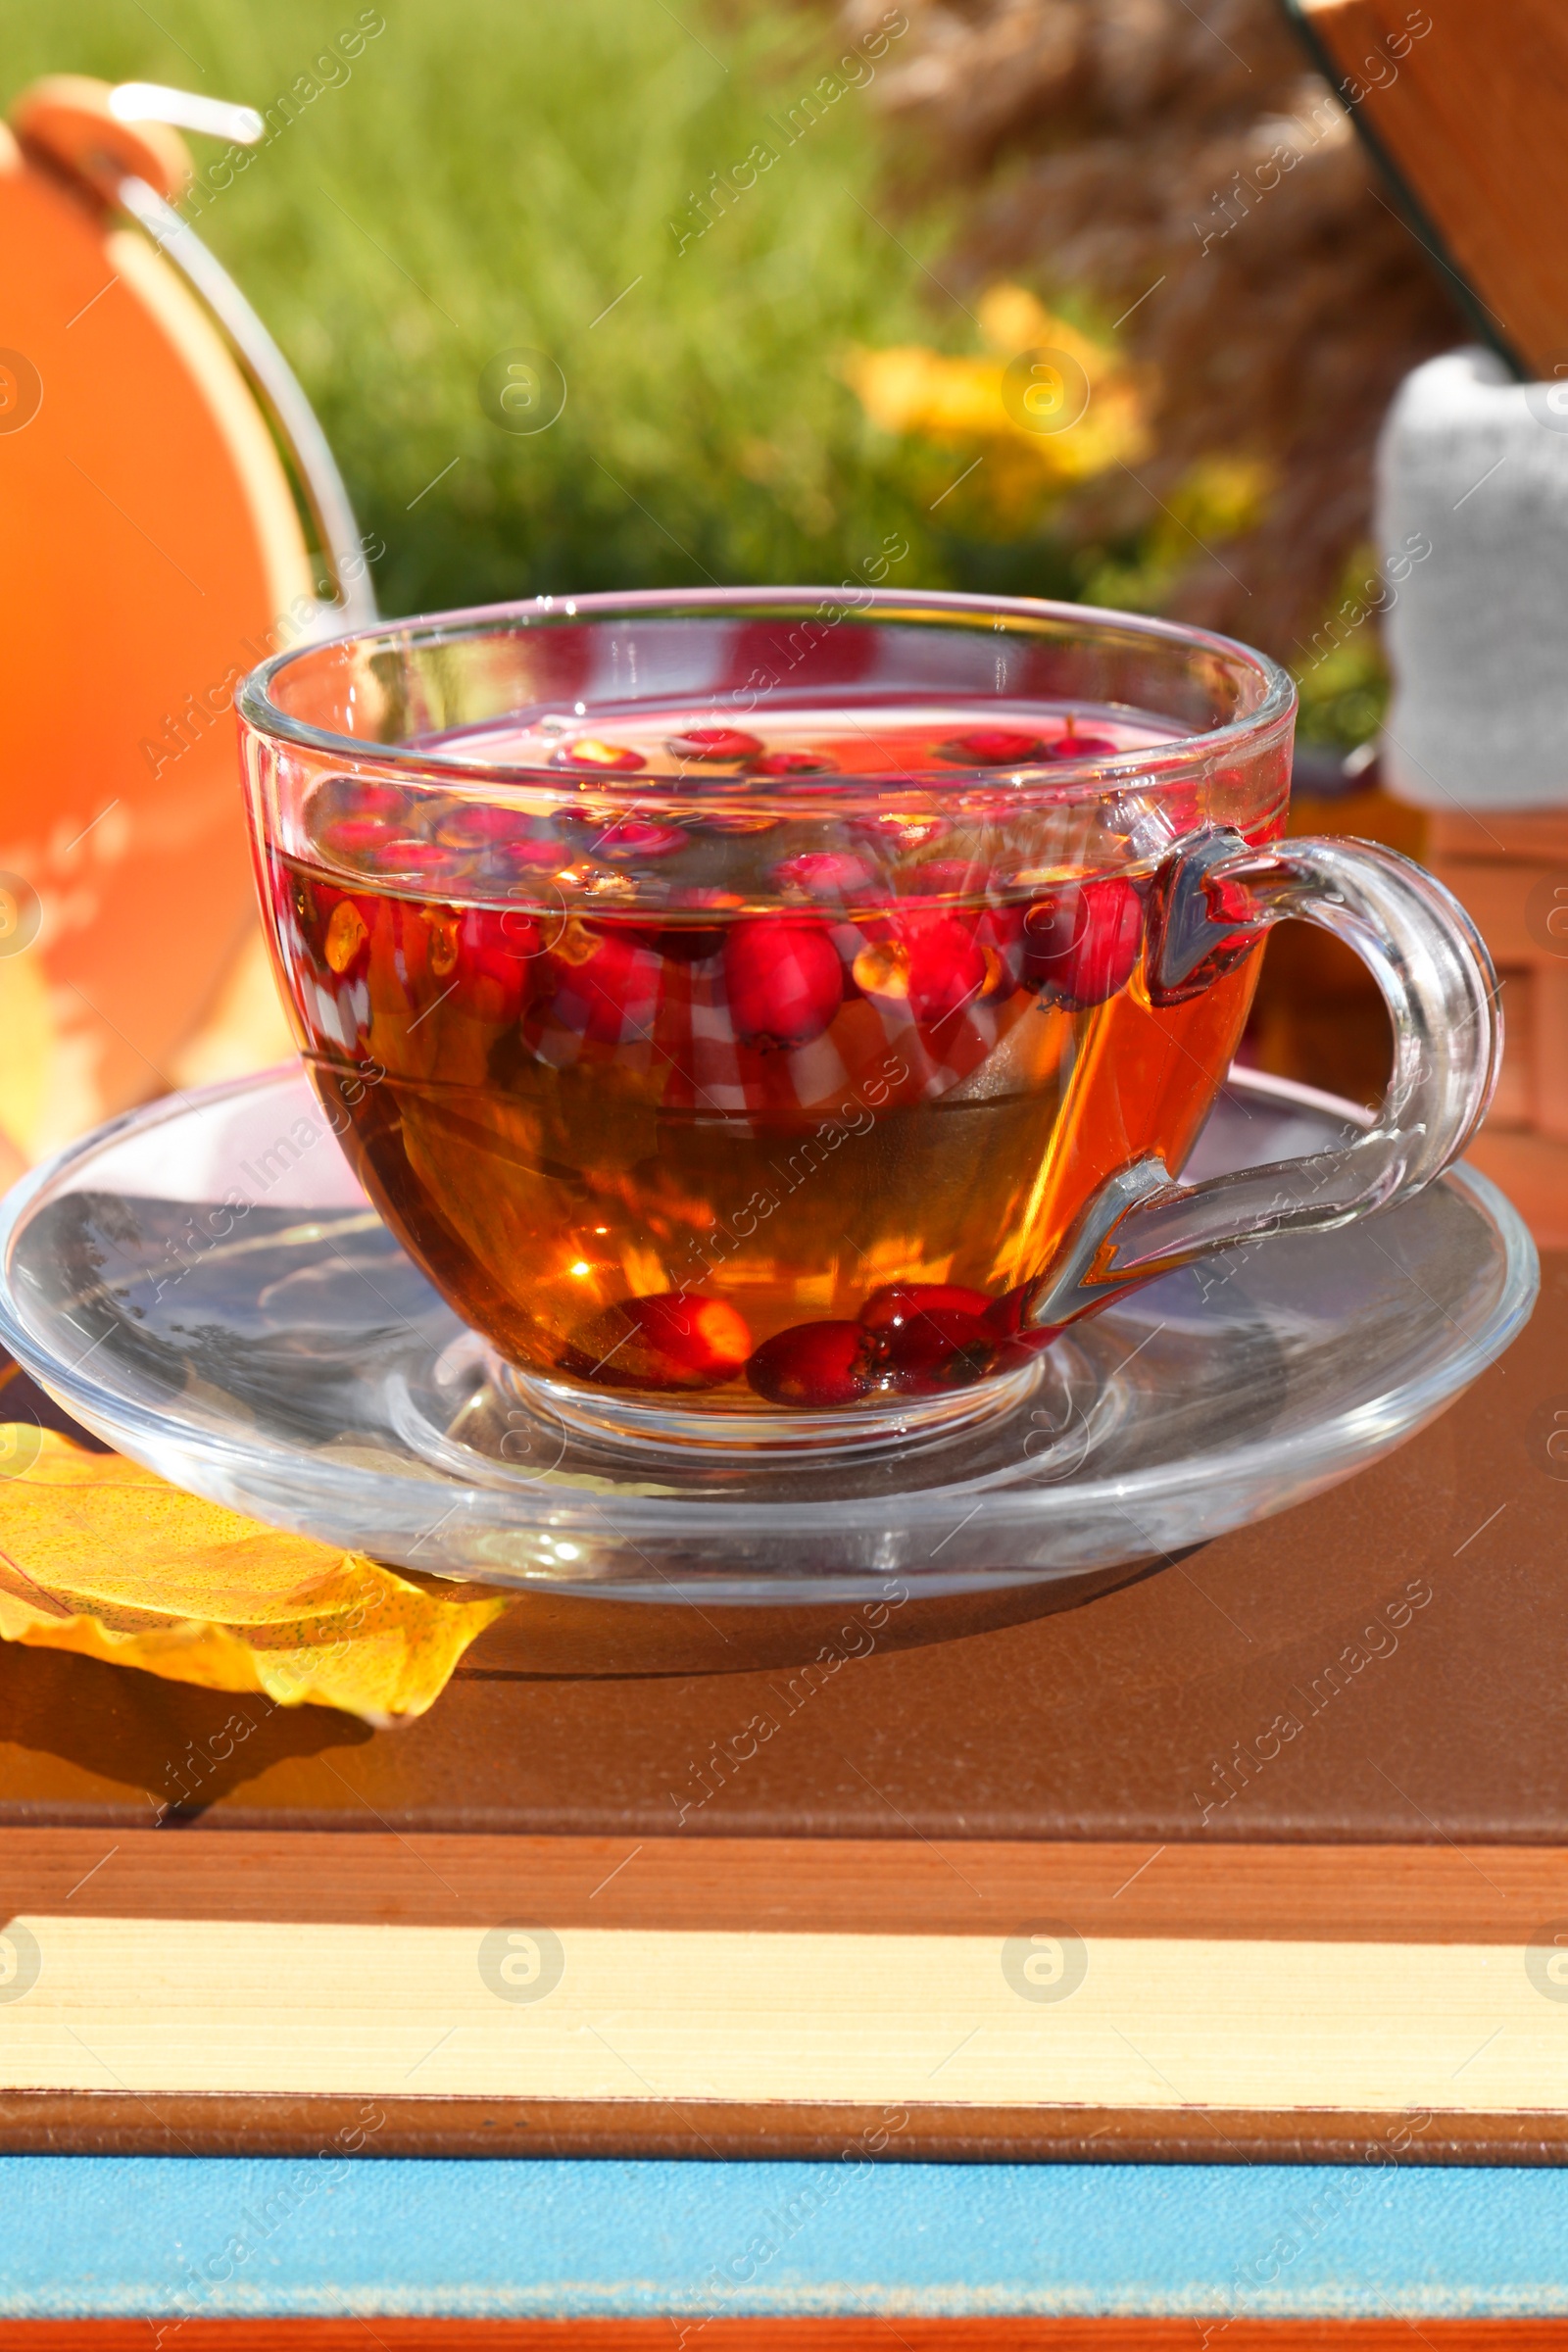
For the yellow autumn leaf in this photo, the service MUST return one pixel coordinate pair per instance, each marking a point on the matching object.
(101, 1557)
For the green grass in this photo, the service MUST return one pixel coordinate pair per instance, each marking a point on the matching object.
(493, 174)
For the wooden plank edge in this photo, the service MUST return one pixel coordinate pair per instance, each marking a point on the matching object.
(112, 2123)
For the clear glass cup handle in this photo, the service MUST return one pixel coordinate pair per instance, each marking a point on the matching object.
(1441, 994)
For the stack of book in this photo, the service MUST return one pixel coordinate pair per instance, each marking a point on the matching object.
(1261, 1851)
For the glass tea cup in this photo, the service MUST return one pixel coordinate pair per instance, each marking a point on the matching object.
(769, 1016)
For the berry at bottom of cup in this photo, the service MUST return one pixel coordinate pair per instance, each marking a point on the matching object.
(898, 1302)
(669, 1340)
(817, 1365)
(942, 1347)
(704, 1341)
(1006, 1316)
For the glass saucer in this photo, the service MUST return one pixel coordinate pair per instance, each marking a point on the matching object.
(204, 1284)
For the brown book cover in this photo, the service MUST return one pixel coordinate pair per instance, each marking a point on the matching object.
(1462, 107)
(1264, 1849)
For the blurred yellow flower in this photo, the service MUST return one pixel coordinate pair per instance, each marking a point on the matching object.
(1040, 370)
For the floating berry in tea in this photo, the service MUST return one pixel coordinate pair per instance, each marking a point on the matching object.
(717, 744)
(590, 751)
(351, 799)
(357, 837)
(480, 827)
(783, 981)
(634, 837)
(1082, 747)
(827, 874)
(790, 763)
(816, 1364)
(902, 832)
(1081, 942)
(991, 747)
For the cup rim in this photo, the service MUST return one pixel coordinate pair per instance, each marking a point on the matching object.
(256, 705)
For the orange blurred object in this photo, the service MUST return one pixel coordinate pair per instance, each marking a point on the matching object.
(151, 552)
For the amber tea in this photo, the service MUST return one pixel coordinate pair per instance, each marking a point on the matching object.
(732, 1096)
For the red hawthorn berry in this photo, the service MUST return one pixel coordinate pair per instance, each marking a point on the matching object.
(816, 1364)
(904, 832)
(790, 763)
(372, 800)
(589, 750)
(932, 961)
(991, 747)
(999, 934)
(536, 856)
(611, 994)
(343, 799)
(714, 743)
(705, 1339)
(671, 1340)
(482, 825)
(1081, 941)
(897, 1304)
(495, 960)
(632, 837)
(1006, 1316)
(942, 1347)
(1082, 747)
(355, 836)
(829, 874)
(783, 981)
